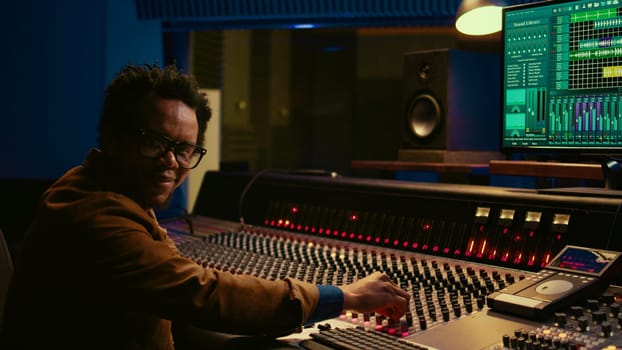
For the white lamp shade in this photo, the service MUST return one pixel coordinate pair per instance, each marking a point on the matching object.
(478, 17)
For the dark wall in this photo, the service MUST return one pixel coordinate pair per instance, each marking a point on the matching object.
(57, 58)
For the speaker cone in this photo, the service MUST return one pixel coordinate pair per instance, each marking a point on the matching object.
(424, 116)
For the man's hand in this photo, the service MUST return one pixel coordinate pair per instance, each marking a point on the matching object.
(376, 293)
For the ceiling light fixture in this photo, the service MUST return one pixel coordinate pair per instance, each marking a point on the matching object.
(479, 17)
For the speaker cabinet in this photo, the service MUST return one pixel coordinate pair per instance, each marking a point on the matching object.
(451, 101)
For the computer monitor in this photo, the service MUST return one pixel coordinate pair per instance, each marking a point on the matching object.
(562, 77)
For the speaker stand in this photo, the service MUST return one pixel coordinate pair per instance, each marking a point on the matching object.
(446, 156)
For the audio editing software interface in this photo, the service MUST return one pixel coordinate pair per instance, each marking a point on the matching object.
(562, 71)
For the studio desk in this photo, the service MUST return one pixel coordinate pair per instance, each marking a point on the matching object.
(451, 246)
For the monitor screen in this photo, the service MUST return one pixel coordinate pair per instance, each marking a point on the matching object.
(562, 73)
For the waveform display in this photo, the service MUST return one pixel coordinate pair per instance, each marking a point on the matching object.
(600, 43)
(596, 53)
(602, 15)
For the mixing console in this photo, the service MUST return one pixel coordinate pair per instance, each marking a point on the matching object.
(454, 248)
(446, 294)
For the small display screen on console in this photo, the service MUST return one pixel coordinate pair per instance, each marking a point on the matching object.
(584, 260)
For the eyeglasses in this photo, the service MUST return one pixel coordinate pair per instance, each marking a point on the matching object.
(154, 145)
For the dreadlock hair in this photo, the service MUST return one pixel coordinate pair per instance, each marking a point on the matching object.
(136, 82)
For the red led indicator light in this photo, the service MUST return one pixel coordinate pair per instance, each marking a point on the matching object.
(294, 210)
(353, 217)
(427, 227)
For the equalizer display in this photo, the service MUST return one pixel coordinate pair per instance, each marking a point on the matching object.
(562, 73)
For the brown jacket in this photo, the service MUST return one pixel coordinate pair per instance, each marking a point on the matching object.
(97, 271)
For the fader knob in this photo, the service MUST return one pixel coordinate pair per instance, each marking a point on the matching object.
(506, 341)
(606, 329)
(598, 316)
(582, 324)
(576, 311)
(592, 304)
(560, 319)
(614, 309)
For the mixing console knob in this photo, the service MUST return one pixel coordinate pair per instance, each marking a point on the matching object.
(445, 313)
(513, 342)
(560, 319)
(582, 324)
(614, 309)
(409, 319)
(480, 303)
(592, 304)
(496, 276)
(576, 311)
(469, 307)
(608, 298)
(506, 341)
(598, 316)
(606, 329)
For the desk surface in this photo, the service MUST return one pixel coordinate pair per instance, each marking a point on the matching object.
(547, 169)
(391, 165)
(494, 167)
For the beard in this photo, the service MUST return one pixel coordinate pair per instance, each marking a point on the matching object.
(165, 204)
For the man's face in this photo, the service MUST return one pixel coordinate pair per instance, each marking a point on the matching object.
(151, 181)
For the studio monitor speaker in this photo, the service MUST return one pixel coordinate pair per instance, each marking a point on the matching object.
(451, 100)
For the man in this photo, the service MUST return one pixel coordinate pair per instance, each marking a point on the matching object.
(97, 271)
